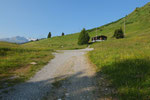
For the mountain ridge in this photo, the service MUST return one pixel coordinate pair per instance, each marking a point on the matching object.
(16, 39)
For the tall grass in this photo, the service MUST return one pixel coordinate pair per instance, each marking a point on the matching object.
(15, 60)
(126, 63)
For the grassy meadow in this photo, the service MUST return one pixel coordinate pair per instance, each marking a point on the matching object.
(15, 60)
(126, 62)
(15, 63)
(57, 43)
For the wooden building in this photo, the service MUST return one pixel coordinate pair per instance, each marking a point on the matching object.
(99, 38)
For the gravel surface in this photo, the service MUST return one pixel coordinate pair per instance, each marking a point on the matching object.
(72, 67)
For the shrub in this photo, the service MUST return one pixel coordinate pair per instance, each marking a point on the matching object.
(137, 8)
(118, 33)
(83, 37)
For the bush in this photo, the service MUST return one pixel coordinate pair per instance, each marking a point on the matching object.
(119, 33)
(137, 8)
(83, 37)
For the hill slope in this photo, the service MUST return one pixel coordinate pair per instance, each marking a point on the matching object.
(126, 62)
(137, 24)
(16, 60)
(59, 42)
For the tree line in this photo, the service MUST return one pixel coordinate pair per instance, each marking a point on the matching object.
(84, 36)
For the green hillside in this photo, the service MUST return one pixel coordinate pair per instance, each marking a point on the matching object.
(137, 24)
(126, 62)
(15, 60)
(15, 63)
(59, 42)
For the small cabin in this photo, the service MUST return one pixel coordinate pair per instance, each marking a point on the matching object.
(99, 38)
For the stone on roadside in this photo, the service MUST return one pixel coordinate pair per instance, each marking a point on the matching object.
(67, 94)
(33, 63)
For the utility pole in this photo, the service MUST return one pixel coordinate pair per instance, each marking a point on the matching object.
(124, 25)
(96, 32)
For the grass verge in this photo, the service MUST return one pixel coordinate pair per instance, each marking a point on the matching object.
(16, 63)
(126, 63)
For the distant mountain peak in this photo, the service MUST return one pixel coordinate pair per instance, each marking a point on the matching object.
(16, 39)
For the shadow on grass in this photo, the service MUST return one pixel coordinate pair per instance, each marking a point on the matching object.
(131, 78)
(90, 43)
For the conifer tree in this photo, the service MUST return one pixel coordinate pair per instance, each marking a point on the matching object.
(83, 37)
(63, 34)
(49, 35)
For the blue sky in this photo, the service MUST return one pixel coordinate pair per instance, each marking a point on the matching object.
(35, 18)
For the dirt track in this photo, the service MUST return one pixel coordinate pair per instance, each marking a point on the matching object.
(69, 76)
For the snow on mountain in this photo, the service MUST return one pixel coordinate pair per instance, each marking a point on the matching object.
(16, 39)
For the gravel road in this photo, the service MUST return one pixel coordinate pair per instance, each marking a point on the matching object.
(69, 76)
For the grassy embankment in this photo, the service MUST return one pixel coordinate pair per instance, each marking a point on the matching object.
(15, 60)
(126, 62)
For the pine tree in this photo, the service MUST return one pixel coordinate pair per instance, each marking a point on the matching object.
(49, 35)
(63, 34)
(83, 37)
